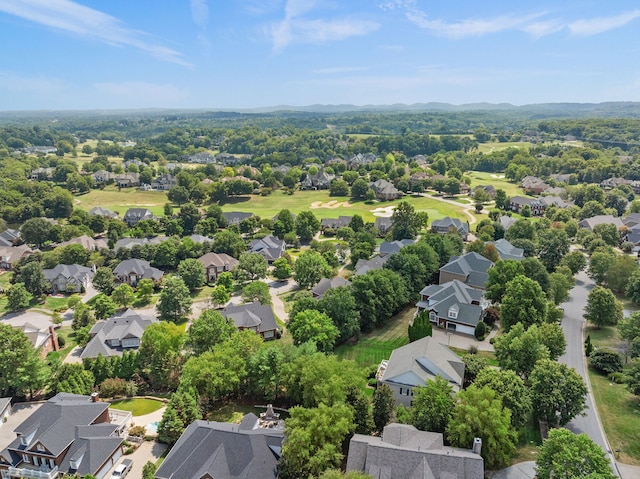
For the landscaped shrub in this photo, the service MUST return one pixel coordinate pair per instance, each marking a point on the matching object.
(61, 341)
(137, 431)
(481, 331)
(606, 361)
(114, 387)
(618, 378)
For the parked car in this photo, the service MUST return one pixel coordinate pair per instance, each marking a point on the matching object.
(122, 469)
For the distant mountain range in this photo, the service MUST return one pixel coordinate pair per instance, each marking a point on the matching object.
(606, 109)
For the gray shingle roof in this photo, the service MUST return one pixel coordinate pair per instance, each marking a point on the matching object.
(223, 451)
(251, 315)
(76, 271)
(139, 267)
(326, 284)
(472, 266)
(454, 294)
(218, 260)
(506, 250)
(365, 265)
(391, 247)
(270, 247)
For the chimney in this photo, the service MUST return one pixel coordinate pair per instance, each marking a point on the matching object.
(94, 397)
(477, 445)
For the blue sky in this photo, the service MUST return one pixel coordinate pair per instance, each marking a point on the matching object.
(89, 54)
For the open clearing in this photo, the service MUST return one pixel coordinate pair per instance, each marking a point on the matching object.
(121, 201)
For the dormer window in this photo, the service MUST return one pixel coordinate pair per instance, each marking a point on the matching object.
(453, 312)
(40, 447)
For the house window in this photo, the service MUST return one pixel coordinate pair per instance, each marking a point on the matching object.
(406, 392)
(52, 464)
(453, 314)
(36, 462)
(25, 458)
(40, 447)
(268, 334)
(432, 316)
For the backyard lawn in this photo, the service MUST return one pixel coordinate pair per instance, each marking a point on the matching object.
(378, 345)
(235, 411)
(137, 406)
(497, 180)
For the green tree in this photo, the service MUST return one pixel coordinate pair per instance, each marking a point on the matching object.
(181, 411)
(383, 405)
(229, 242)
(160, 354)
(32, 277)
(432, 405)
(340, 305)
(22, 369)
(478, 412)
(359, 189)
(379, 294)
(189, 217)
(35, 231)
(499, 275)
(519, 350)
(523, 302)
(339, 188)
(420, 327)
(219, 296)
(103, 306)
(192, 273)
(178, 195)
(175, 302)
(307, 225)
(283, 223)
(103, 280)
(512, 392)
(620, 272)
(599, 265)
(251, 267)
(606, 360)
(602, 309)
(145, 289)
(553, 245)
(314, 438)
(17, 297)
(256, 291)
(633, 377)
(557, 391)
(314, 326)
(566, 455)
(575, 260)
(149, 470)
(281, 269)
(123, 295)
(82, 318)
(207, 331)
(225, 279)
(310, 268)
(72, 378)
(405, 222)
(559, 286)
(74, 254)
(633, 287)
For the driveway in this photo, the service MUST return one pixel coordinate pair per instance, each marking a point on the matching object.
(148, 451)
(277, 288)
(21, 411)
(36, 318)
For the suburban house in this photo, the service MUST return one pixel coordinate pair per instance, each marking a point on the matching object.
(271, 247)
(99, 211)
(592, 222)
(212, 450)
(360, 159)
(385, 190)
(5, 410)
(133, 215)
(611, 183)
(42, 173)
(414, 364)
(228, 159)
(164, 182)
(538, 205)
(131, 271)
(325, 284)
(45, 340)
(87, 242)
(200, 157)
(506, 250)
(506, 221)
(387, 248)
(533, 185)
(320, 181)
(383, 224)
(129, 243)
(68, 278)
(255, 316)
(216, 263)
(235, 217)
(127, 180)
(10, 255)
(471, 269)
(68, 434)
(632, 220)
(335, 223)
(453, 306)
(365, 265)
(403, 452)
(488, 189)
(10, 237)
(117, 334)
(447, 224)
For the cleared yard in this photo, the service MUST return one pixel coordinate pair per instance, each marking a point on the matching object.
(138, 406)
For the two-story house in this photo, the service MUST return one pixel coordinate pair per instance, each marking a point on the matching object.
(271, 247)
(131, 271)
(217, 263)
(255, 316)
(117, 334)
(68, 278)
(134, 215)
(447, 224)
(471, 269)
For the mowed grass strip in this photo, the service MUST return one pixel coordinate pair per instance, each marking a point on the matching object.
(137, 406)
(620, 415)
(379, 344)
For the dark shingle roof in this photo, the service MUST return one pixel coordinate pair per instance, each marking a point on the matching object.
(326, 284)
(472, 266)
(251, 315)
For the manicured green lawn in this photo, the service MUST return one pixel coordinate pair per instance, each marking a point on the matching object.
(138, 406)
(121, 201)
(490, 356)
(55, 303)
(69, 340)
(234, 412)
(497, 180)
(378, 345)
(620, 415)
(606, 336)
(498, 146)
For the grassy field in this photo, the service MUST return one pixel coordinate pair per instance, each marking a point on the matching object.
(70, 340)
(121, 201)
(491, 146)
(620, 415)
(269, 206)
(497, 180)
(137, 406)
(378, 345)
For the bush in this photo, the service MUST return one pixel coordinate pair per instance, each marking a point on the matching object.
(618, 378)
(491, 315)
(472, 349)
(481, 331)
(113, 387)
(373, 382)
(606, 361)
(137, 431)
(61, 341)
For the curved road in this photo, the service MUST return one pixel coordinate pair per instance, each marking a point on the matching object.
(573, 326)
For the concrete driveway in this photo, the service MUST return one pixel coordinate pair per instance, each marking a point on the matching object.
(21, 412)
(148, 451)
(36, 318)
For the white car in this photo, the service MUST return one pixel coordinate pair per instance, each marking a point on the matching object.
(122, 469)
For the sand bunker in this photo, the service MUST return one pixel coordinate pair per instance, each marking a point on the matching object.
(497, 176)
(385, 212)
(330, 204)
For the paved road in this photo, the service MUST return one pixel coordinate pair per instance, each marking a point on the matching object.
(573, 325)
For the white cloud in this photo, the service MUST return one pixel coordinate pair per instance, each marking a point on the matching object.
(295, 29)
(602, 24)
(200, 13)
(543, 28)
(86, 22)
